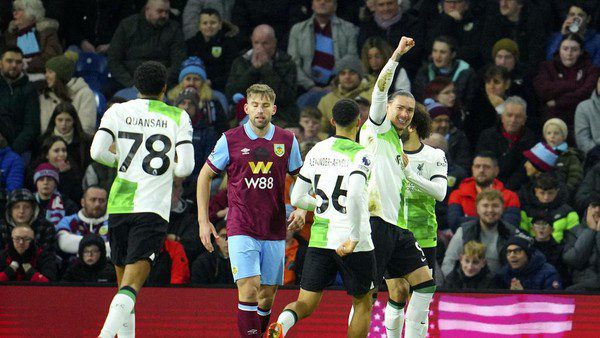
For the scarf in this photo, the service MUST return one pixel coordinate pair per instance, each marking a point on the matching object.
(561, 148)
(68, 137)
(385, 24)
(54, 210)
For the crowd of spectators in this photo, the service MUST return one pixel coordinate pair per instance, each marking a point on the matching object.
(512, 88)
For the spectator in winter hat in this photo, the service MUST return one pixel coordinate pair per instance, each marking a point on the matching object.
(569, 168)
(62, 86)
(53, 206)
(349, 83)
(92, 265)
(540, 159)
(527, 268)
(459, 149)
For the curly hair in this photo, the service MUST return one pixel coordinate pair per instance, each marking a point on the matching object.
(150, 78)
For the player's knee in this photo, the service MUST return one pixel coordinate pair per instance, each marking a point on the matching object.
(425, 287)
(362, 303)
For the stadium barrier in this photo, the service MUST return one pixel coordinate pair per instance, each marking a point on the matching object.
(79, 311)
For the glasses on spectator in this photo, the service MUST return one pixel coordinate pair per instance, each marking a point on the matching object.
(18, 239)
(91, 252)
(514, 251)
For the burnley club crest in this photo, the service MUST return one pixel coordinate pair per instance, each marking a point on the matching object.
(279, 149)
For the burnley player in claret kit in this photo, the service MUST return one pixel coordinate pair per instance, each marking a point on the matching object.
(256, 156)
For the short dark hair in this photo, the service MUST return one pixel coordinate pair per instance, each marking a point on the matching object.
(487, 154)
(581, 4)
(546, 181)
(450, 41)
(13, 49)
(345, 111)
(93, 186)
(573, 36)
(150, 78)
(210, 11)
(496, 71)
(421, 121)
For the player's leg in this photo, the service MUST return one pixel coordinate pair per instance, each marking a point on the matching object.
(128, 328)
(361, 321)
(272, 261)
(398, 289)
(244, 255)
(319, 271)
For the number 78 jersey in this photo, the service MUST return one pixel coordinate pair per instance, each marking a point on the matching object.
(146, 133)
(327, 167)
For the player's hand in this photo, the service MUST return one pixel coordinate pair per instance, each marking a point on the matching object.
(63, 165)
(405, 45)
(515, 284)
(296, 220)
(207, 229)
(346, 248)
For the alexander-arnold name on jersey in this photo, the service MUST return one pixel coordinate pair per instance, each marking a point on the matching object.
(146, 122)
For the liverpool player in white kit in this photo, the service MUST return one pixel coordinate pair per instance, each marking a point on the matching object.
(153, 144)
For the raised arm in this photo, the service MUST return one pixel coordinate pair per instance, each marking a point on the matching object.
(384, 81)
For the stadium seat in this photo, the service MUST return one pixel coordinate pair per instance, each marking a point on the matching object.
(93, 68)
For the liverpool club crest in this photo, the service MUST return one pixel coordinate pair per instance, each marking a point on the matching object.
(279, 149)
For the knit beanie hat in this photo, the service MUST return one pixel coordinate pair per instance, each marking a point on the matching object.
(45, 170)
(521, 241)
(542, 156)
(62, 66)
(351, 62)
(435, 109)
(507, 45)
(192, 65)
(562, 126)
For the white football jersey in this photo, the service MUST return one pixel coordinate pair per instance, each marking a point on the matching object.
(328, 166)
(146, 133)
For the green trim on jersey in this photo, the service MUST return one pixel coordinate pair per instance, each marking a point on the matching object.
(391, 136)
(346, 147)
(421, 218)
(159, 107)
(122, 194)
(318, 232)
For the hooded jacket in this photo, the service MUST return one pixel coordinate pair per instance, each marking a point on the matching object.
(100, 272)
(83, 100)
(20, 102)
(43, 266)
(46, 33)
(564, 217)
(12, 170)
(581, 254)
(536, 275)
(587, 123)
(457, 280)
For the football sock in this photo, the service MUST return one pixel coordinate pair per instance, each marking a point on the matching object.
(418, 310)
(248, 321)
(287, 319)
(265, 316)
(394, 318)
(119, 311)
(128, 329)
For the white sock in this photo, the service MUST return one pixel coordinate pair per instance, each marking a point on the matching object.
(350, 315)
(394, 321)
(287, 319)
(128, 329)
(417, 313)
(118, 314)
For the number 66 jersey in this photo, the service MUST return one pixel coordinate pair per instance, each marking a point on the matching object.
(327, 167)
(146, 133)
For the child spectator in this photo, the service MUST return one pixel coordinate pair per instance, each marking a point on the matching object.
(22, 260)
(472, 272)
(62, 86)
(527, 268)
(569, 168)
(540, 158)
(214, 267)
(53, 205)
(546, 244)
(92, 265)
(310, 120)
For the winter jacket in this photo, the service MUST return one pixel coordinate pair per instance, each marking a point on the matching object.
(591, 44)
(217, 54)
(81, 97)
(72, 229)
(170, 266)
(569, 169)
(581, 255)
(327, 102)
(462, 207)
(457, 280)
(564, 217)
(471, 230)
(93, 20)
(459, 149)
(461, 74)
(510, 160)
(12, 172)
(20, 101)
(136, 41)
(43, 265)
(212, 268)
(301, 45)
(553, 252)
(536, 275)
(480, 115)
(589, 190)
(409, 25)
(566, 86)
(101, 272)
(587, 123)
(191, 14)
(183, 223)
(280, 74)
(46, 33)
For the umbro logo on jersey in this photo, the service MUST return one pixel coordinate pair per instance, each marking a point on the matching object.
(245, 151)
